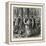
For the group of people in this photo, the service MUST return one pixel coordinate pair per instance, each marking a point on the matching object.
(26, 27)
(26, 22)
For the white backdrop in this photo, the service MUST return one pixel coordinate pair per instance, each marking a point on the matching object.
(2, 23)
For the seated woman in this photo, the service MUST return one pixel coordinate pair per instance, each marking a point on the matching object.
(27, 29)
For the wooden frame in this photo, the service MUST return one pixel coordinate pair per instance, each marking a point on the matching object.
(9, 22)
